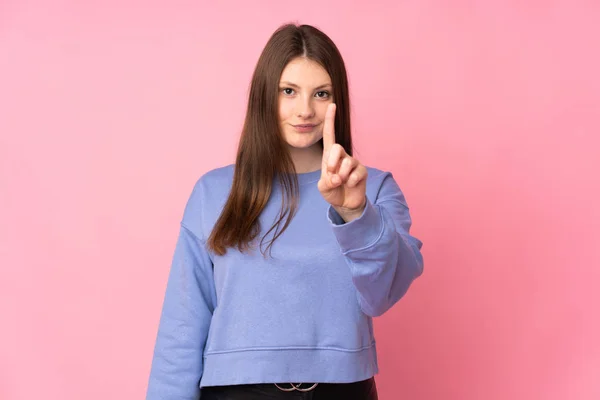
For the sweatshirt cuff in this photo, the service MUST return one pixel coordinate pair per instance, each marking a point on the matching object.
(359, 233)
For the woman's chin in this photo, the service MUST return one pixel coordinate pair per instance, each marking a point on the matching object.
(301, 143)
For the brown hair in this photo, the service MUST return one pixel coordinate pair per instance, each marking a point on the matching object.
(262, 153)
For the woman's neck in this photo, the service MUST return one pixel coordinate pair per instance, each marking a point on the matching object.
(307, 160)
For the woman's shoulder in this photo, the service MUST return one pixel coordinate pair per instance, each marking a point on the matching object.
(217, 175)
(214, 182)
(376, 173)
(377, 176)
(207, 199)
(381, 184)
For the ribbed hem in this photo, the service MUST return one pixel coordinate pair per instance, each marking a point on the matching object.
(289, 365)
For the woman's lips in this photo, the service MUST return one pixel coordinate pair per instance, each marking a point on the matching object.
(304, 127)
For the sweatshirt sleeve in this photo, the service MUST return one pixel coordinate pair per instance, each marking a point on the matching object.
(184, 322)
(383, 257)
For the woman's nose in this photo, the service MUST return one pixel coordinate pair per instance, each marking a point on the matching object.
(305, 110)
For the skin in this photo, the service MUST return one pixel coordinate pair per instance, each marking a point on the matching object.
(305, 98)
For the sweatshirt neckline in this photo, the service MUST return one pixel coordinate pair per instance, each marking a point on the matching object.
(308, 177)
(305, 178)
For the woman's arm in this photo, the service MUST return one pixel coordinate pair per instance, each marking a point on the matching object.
(186, 314)
(383, 257)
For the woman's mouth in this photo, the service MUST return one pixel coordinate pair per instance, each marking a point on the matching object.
(304, 127)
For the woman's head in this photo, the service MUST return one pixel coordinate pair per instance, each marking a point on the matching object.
(285, 89)
(285, 92)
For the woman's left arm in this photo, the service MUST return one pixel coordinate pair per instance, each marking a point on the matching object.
(374, 237)
(383, 256)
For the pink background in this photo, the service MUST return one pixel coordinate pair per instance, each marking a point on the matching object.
(486, 112)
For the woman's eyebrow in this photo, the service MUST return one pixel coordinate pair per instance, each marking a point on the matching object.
(298, 87)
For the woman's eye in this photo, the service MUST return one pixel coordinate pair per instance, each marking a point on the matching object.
(323, 94)
(288, 91)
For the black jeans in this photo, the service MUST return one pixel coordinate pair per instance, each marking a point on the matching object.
(363, 390)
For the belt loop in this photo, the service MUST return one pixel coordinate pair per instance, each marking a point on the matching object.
(296, 387)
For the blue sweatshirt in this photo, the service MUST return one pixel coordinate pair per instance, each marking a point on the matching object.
(304, 315)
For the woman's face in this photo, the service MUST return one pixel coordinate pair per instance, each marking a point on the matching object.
(304, 92)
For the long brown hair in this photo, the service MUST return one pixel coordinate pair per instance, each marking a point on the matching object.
(262, 153)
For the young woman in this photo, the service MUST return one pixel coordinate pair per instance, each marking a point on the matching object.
(284, 258)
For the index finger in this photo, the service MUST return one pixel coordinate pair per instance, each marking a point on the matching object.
(329, 128)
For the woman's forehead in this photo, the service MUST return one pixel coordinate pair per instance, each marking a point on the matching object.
(304, 72)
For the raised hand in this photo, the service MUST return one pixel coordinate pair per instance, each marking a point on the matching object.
(343, 180)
